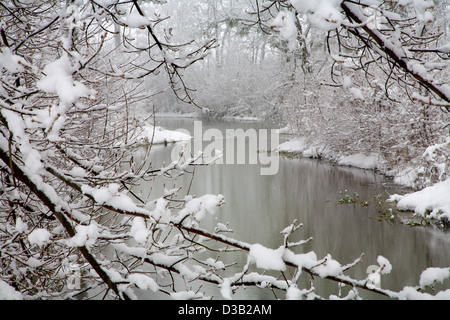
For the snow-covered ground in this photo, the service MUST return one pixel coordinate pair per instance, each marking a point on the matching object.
(301, 146)
(176, 115)
(360, 160)
(433, 202)
(8, 293)
(159, 135)
(241, 118)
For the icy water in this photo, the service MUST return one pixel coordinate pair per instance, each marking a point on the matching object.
(258, 207)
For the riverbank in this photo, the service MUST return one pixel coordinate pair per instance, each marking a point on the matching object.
(431, 202)
(160, 135)
(259, 206)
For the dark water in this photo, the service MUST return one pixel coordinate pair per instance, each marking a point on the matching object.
(258, 207)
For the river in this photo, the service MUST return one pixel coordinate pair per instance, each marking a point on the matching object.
(259, 206)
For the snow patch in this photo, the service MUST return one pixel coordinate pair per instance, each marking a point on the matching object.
(357, 93)
(360, 160)
(384, 264)
(330, 267)
(101, 195)
(159, 135)
(411, 293)
(307, 260)
(433, 201)
(20, 225)
(143, 282)
(284, 23)
(199, 207)
(432, 275)
(225, 289)
(421, 7)
(9, 293)
(445, 48)
(294, 293)
(215, 264)
(85, 236)
(266, 258)
(286, 130)
(58, 79)
(11, 62)
(34, 263)
(323, 14)
(293, 146)
(135, 20)
(39, 237)
(408, 177)
(139, 230)
(160, 210)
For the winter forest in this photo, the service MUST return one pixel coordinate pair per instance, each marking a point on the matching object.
(88, 212)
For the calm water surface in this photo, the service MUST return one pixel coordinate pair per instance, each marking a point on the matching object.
(258, 207)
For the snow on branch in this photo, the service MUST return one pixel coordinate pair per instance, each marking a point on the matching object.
(70, 168)
(401, 38)
(396, 42)
(65, 127)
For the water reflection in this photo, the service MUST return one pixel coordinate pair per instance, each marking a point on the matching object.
(258, 207)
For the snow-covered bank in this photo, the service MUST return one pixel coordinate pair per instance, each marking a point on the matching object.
(360, 160)
(242, 118)
(300, 146)
(189, 115)
(198, 115)
(159, 135)
(431, 202)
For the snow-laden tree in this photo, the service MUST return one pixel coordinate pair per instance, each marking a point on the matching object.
(373, 78)
(242, 76)
(402, 38)
(71, 70)
(70, 224)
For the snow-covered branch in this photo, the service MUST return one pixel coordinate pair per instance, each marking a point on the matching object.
(396, 43)
(69, 143)
(401, 38)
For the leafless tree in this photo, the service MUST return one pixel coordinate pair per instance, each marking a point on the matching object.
(70, 72)
(400, 40)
